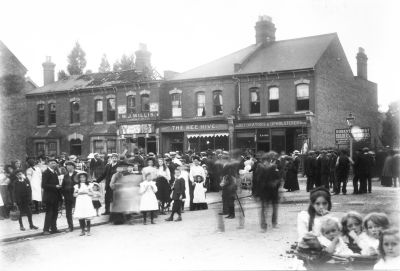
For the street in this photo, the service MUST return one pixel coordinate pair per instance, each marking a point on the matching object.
(194, 243)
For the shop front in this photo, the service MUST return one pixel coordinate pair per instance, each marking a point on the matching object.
(138, 137)
(196, 137)
(271, 135)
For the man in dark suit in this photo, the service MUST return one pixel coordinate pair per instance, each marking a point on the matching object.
(51, 197)
(178, 193)
(67, 190)
(96, 166)
(109, 171)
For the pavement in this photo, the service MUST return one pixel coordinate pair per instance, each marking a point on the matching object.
(9, 230)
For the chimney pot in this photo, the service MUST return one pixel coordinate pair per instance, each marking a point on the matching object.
(48, 71)
(142, 58)
(265, 30)
(362, 64)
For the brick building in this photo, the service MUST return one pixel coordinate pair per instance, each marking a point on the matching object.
(271, 95)
(13, 87)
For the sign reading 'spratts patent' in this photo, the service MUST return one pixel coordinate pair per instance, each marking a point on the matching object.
(342, 136)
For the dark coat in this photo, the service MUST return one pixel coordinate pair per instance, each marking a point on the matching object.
(178, 189)
(343, 167)
(22, 191)
(163, 189)
(108, 172)
(51, 194)
(67, 187)
(291, 182)
(268, 182)
(323, 164)
(229, 187)
(96, 167)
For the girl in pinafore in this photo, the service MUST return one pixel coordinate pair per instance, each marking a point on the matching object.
(148, 201)
(84, 210)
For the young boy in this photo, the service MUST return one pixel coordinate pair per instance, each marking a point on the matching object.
(178, 193)
(331, 240)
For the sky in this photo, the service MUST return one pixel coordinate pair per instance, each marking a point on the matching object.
(184, 34)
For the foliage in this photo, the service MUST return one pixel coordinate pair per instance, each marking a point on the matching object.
(76, 60)
(390, 126)
(126, 63)
(88, 71)
(104, 64)
(12, 83)
(62, 75)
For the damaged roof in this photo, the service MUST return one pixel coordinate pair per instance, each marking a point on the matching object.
(284, 55)
(93, 80)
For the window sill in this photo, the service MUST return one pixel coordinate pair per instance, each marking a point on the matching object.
(40, 126)
(273, 113)
(255, 114)
(301, 111)
(176, 117)
(111, 122)
(52, 125)
(98, 123)
(74, 124)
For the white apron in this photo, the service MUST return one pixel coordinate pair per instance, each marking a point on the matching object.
(148, 201)
(36, 182)
(83, 206)
(199, 194)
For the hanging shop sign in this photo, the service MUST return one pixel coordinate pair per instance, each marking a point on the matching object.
(342, 136)
(138, 116)
(270, 124)
(136, 129)
(194, 127)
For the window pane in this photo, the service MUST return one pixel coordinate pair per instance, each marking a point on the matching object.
(145, 100)
(40, 114)
(52, 113)
(303, 104)
(273, 106)
(131, 104)
(111, 104)
(218, 110)
(274, 93)
(254, 95)
(302, 91)
(99, 105)
(176, 100)
(111, 146)
(74, 112)
(201, 102)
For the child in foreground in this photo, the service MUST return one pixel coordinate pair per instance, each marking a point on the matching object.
(368, 241)
(389, 249)
(330, 238)
(351, 229)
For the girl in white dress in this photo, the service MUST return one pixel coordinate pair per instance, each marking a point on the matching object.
(389, 248)
(34, 175)
(148, 201)
(84, 209)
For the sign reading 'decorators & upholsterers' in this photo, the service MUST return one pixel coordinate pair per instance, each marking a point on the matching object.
(195, 127)
(270, 124)
(342, 136)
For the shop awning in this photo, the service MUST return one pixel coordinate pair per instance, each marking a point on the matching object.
(207, 135)
(46, 133)
(103, 130)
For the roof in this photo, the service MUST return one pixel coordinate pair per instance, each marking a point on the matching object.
(5, 53)
(93, 80)
(284, 55)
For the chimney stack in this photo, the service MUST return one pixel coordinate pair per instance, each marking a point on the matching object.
(142, 58)
(265, 30)
(48, 71)
(362, 67)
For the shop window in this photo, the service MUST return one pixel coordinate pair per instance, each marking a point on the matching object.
(273, 100)
(131, 104)
(40, 114)
(176, 100)
(254, 100)
(111, 109)
(145, 102)
(75, 116)
(302, 97)
(52, 113)
(111, 146)
(201, 104)
(76, 146)
(98, 110)
(52, 148)
(98, 146)
(217, 102)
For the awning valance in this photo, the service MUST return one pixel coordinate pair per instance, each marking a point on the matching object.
(207, 135)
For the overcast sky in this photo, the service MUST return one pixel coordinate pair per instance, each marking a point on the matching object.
(184, 34)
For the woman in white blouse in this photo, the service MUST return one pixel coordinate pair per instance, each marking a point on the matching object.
(309, 222)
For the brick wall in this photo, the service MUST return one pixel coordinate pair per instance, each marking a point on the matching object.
(338, 93)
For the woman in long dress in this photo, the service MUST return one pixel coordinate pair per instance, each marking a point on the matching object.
(84, 210)
(34, 175)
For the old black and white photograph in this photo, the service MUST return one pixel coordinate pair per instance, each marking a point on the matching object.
(199, 135)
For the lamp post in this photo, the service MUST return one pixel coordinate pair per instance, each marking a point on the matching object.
(309, 116)
(350, 122)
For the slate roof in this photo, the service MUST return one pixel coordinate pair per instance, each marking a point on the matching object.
(284, 55)
(93, 80)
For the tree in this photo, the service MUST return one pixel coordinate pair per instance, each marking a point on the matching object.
(126, 63)
(390, 126)
(62, 75)
(76, 60)
(104, 64)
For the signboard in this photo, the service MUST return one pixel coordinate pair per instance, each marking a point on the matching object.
(136, 129)
(263, 134)
(138, 116)
(121, 109)
(194, 127)
(271, 124)
(342, 136)
(153, 107)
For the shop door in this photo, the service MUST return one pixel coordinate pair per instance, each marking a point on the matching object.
(263, 146)
(278, 140)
